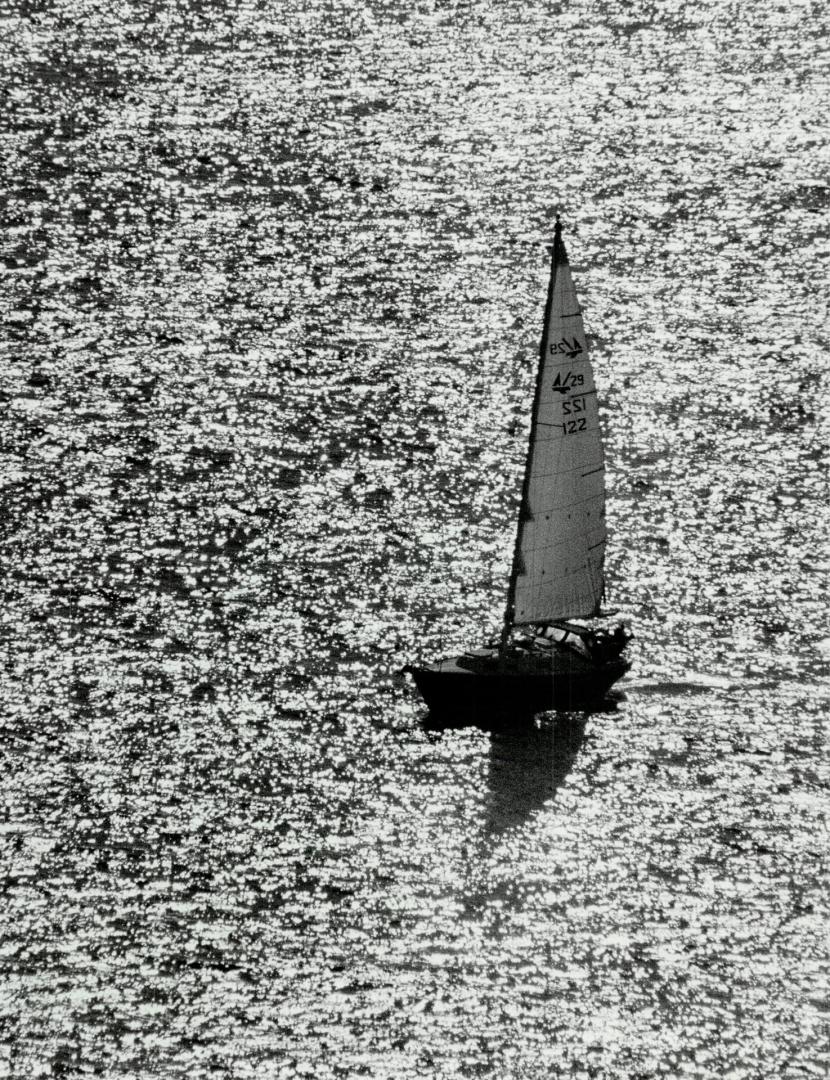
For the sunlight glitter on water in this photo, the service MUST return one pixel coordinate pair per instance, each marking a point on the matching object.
(274, 287)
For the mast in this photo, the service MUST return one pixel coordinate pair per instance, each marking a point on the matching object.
(558, 258)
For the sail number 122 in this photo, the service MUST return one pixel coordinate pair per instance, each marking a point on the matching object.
(574, 407)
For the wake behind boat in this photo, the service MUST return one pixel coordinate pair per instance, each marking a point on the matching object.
(546, 660)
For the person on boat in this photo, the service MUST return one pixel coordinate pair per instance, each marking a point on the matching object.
(607, 645)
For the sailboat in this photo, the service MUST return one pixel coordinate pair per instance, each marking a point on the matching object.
(555, 651)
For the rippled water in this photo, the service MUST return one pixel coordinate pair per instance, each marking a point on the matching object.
(273, 296)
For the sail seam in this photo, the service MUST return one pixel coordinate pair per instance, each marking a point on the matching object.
(573, 469)
(565, 506)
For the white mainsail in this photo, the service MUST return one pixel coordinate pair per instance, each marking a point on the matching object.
(560, 547)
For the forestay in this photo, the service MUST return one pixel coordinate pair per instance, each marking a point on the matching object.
(558, 570)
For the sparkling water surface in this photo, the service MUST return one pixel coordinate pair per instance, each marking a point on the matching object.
(273, 293)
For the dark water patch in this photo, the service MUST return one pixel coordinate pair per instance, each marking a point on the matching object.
(526, 769)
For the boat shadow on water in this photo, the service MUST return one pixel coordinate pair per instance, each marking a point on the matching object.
(528, 760)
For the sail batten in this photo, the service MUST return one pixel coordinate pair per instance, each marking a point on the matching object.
(560, 544)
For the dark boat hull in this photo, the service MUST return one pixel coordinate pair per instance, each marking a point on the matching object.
(494, 686)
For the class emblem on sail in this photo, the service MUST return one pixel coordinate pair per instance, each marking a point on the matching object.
(560, 546)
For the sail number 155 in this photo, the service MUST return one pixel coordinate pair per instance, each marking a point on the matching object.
(573, 406)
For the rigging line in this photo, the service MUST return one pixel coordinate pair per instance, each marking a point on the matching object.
(595, 575)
